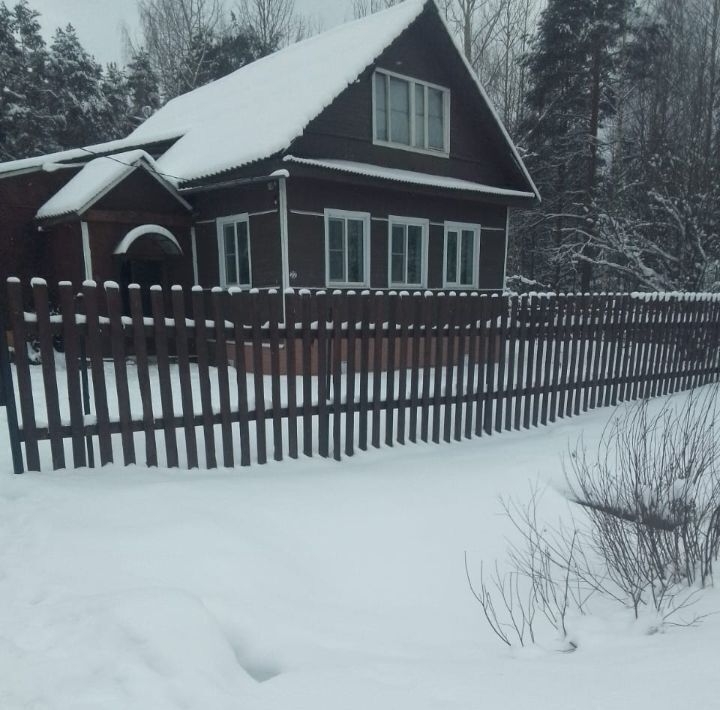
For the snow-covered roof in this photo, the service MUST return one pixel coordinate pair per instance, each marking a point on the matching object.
(52, 161)
(408, 176)
(96, 179)
(257, 111)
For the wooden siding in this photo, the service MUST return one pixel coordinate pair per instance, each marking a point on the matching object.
(307, 231)
(260, 200)
(140, 191)
(425, 52)
(24, 251)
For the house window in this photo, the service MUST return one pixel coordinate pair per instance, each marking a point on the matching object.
(347, 248)
(407, 251)
(411, 114)
(462, 246)
(234, 250)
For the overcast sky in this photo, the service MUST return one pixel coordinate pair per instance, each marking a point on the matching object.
(99, 22)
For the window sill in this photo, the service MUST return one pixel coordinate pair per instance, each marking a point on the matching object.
(411, 149)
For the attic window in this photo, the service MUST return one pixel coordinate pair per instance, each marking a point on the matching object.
(410, 114)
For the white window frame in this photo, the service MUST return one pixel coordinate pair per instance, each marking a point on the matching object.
(445, 153)
(424, 224)
(459, 227)
(364, 217)
(221, 222)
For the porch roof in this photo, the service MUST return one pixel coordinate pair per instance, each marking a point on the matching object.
(408, 177)
(96, 179)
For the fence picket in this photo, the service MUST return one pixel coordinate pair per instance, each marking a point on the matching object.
(416, 307)
(239, 307)
(71, 346)
(428, 309)
(143, 370)
(390, 372)
(291, 371)
(323, 374)
(511, 383)
(501, 345)
(163, 366)
(472, 348)
(258, 375)
(275, 314)
(49, 374)
(365, 318)
(22, 368)
(441, 320)
(182, 352)
(307, 369)
(461, 323)
(221, 362)
(449, 367)
(336, 365)
(117, 344)
(203, 360)
(350, 375)
(402, 399)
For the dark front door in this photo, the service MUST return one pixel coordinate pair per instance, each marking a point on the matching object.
(145, 273)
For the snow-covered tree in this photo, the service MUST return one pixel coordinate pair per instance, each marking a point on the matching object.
(143, 86)
(76, 98)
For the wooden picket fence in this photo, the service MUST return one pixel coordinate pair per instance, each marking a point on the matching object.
(328, 374)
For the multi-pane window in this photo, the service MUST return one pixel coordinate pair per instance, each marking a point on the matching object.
(347, 247)
(462, 243)
(234, 250)
(411, 113)
(407, 251)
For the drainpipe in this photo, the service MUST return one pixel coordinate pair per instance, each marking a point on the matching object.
(283, 209)
(507, 243)
(87, 258)
(193, 244)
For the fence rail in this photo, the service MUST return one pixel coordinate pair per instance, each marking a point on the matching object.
(236, 377)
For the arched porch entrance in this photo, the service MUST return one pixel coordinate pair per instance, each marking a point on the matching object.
(145, 256)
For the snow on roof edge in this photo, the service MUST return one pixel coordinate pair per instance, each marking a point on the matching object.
(407, 176)
(37, 162)
(493, 110)
(96, 178)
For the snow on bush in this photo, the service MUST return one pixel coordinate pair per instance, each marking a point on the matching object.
(646, 535)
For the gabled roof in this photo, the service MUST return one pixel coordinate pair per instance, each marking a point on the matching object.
(96, 179)
(258, 110)
(409, 177)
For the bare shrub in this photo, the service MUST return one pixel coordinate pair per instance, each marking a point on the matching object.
(652, 493)
(647, 534)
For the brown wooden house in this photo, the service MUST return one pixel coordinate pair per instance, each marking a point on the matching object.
(365, 157)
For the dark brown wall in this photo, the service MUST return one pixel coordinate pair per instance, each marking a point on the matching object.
(424, 51)
(140, 192)
(265, 255)
(307, 232)
(24, 251)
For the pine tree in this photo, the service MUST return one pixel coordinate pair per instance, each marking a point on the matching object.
(75, 82)
(572, 67)
(143, 86)
(25, 125)
(116, 118)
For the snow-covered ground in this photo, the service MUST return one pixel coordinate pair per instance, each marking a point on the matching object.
(308, 585)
